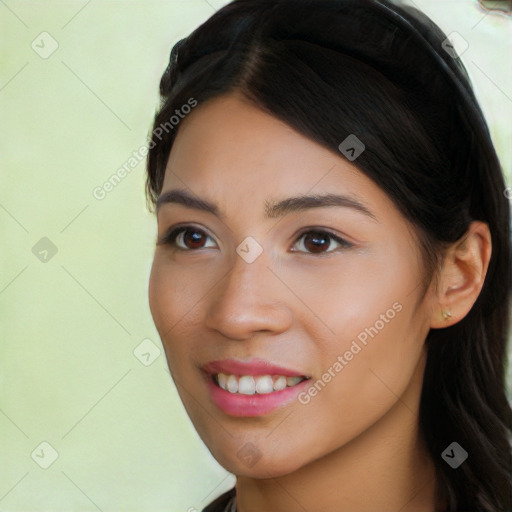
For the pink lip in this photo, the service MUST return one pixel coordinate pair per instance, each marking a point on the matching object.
(255, 366)
(236, 404)
(252, 405)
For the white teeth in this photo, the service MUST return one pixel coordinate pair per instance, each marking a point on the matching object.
(261, 384)
(232, 384)
(222, 378)
(280, 383)
(246, 385)
(291, 381)
(264, 385)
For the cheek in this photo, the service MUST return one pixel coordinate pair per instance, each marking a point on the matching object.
(367, 368)
(166, 306)
(374, 343)
(175, 298)
(374, 363)
(170, 294)
(352, 296)
(159, 300)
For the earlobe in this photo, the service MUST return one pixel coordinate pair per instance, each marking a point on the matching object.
(446, 314)
(462, 276)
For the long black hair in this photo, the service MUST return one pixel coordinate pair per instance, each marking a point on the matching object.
(384, 72)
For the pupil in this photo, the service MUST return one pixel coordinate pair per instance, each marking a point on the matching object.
(195, 238)
(316, 238)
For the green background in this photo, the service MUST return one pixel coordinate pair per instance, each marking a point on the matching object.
(71, 321)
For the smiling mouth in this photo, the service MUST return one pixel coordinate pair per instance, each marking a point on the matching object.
(255, 384)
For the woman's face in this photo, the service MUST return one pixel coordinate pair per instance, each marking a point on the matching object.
(259, 293)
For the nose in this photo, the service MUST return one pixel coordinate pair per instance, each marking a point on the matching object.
(249, 299)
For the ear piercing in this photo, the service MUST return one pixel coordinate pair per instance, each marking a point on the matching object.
(446, 314)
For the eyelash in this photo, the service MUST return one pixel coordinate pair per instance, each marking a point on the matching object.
(170, 239)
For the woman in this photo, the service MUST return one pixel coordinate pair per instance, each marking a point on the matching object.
(331, 281)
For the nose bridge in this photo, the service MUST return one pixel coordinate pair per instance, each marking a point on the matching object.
(246, 299)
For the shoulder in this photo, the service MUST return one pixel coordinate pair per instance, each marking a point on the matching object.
(219, 505)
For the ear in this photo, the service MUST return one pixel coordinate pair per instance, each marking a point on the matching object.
(461, 276)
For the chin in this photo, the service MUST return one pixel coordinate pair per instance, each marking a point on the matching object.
(248, 461)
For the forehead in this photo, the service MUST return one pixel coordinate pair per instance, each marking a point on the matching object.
(230, 150)
(231, 135)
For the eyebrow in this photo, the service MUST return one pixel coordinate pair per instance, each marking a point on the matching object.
(273, 209)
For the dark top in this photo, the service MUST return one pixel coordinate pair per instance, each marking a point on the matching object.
(220, 504)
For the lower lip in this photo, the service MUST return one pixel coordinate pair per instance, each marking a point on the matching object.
(236, 404)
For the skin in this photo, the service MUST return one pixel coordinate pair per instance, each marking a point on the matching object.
(355, 446)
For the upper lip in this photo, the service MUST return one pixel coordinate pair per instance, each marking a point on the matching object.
(254, 366)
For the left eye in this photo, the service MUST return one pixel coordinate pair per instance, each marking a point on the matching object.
(317, 240)
(188, 238)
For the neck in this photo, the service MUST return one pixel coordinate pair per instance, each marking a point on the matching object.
(386, 468)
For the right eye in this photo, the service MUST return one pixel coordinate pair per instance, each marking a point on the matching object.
(184, 238)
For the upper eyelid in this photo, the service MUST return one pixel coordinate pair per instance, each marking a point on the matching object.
(178, 228)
